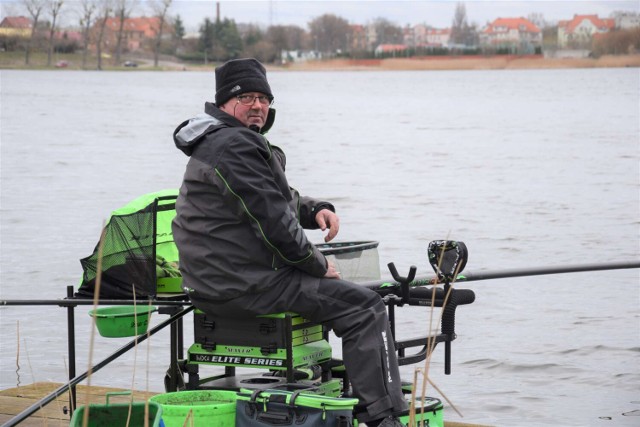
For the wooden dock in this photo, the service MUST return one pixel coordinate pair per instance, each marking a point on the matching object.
(57, 413)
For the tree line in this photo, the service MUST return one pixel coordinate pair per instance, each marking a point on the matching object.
(218, 40)
(92, 17)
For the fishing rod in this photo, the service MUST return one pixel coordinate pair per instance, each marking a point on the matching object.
(64, 388)
(74, 302)
(381, 285)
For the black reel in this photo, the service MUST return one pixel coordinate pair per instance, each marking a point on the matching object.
(448, 258)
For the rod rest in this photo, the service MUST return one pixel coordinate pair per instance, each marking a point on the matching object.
(423, 295)
(419, 296)
(456, 298)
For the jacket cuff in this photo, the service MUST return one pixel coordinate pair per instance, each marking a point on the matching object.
(317, 208)
(318, 264)
(322, 205)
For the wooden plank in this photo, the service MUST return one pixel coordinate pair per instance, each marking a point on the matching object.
(15, 400)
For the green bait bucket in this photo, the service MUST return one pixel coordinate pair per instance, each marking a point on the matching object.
(117, 414)
(206, 408)
(122, 321)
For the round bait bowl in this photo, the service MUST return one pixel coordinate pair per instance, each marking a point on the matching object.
(122, 321)
(207, 408)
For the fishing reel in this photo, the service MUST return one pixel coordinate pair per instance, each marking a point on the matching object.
(448, 258)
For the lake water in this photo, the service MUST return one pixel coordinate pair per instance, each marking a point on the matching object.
(528, 168)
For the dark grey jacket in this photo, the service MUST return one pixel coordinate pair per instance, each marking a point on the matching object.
(239, 226)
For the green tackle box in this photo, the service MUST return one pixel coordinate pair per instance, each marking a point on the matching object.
(280, 341)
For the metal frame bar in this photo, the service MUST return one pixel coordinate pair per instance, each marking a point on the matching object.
(73, 382)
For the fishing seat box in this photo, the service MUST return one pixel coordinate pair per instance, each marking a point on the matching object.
(273, 330)
(276, 341)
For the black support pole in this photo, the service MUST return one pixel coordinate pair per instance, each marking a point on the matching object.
(71, 346)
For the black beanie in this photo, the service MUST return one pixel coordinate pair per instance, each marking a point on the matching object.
(240, 76)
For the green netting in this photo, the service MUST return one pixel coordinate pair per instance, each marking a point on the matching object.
(137, 248)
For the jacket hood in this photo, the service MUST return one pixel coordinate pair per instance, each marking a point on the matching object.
(190, 132)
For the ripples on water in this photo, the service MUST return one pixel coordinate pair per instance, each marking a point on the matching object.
(528, 168)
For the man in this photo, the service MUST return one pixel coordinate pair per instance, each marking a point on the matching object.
(243, 250)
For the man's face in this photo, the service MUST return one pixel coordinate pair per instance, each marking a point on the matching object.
(250, 108)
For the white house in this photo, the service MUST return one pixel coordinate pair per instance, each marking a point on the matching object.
(579, 31)
(513, 33)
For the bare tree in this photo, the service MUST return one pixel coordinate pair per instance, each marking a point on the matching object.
(459, 23)
(461, 32)
(277, 35)
(287, 37)
(122, 11)
(160, 9)
(103, 16)
(34, 7)
(88, 9)
(329, 33)
(54, 11)
(387, 32)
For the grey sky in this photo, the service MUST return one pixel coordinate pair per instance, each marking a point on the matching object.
(436, 13)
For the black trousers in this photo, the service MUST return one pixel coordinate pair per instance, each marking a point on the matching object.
(355, 314)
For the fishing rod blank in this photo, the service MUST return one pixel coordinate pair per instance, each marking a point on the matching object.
(381, 285)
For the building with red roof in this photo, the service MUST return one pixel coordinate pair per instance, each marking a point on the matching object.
(518, 34)
(15, 22)
(391, 50)
(579, 31)
(15, 26)
(136, 31)
(423, 35)
(438, 36)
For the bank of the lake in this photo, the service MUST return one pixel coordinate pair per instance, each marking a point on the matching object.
(501, 62)
(13, 60)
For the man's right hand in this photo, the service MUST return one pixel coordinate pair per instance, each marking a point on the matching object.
(327, 219)
(331, 273)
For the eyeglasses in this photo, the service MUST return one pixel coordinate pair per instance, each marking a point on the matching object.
(250, 99)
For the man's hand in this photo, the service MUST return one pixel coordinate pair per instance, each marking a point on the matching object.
(328, 219)
(331, 271)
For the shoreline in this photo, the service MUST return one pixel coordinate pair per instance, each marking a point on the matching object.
(434, 63)
(465, 63)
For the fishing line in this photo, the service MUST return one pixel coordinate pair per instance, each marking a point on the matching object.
(135, 352)
(18, 354)
(96, 299)
(146, 402)
(71, 401)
